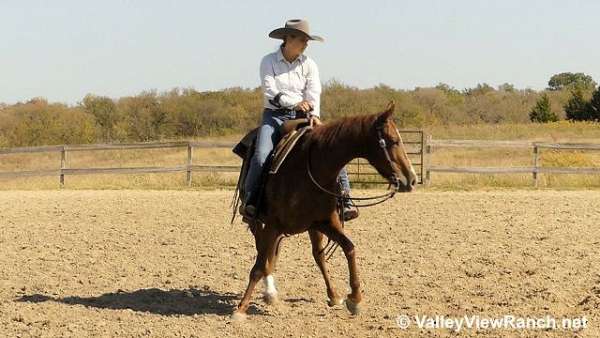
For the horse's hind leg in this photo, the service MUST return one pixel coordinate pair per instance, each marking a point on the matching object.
(318, 247)
(334, 231)
(265, 241)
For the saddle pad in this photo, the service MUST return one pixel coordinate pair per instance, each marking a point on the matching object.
(285, 146)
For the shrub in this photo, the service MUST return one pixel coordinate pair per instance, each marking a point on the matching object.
(541, 113)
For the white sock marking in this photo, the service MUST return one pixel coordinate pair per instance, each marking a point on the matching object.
(270, 285)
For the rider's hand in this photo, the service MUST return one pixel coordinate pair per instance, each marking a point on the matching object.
(315, 121)
(303, 106)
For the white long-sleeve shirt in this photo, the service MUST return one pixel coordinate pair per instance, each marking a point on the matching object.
(296, 81)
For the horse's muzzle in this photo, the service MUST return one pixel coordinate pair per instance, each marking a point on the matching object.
(405, 185)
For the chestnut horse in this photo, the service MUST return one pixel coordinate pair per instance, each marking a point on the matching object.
(296, 204)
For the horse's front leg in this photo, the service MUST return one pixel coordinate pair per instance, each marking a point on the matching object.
(318, 247)
(334, 230)
(270, 293)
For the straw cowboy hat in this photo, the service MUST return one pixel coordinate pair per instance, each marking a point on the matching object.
(294, 26)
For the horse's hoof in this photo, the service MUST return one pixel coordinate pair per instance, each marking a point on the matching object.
(238, 316)
(353, 307)
(270, 298)
(335, 301)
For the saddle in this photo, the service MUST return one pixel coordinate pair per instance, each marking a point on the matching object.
(285, 146)
(291, 131)
(246, 144)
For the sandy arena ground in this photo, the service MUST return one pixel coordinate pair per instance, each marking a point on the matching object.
(168, 264)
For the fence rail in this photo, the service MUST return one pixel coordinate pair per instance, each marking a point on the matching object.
(419, 148)
(360, 169)
(534, 170)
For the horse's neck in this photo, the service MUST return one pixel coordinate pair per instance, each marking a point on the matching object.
(330, 157)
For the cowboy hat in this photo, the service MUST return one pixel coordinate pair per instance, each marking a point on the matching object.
(294, 26)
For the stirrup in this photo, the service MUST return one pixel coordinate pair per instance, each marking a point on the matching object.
(247, 211)
(350, 213)
(250, 211)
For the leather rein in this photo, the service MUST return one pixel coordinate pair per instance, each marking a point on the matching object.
(384, 197)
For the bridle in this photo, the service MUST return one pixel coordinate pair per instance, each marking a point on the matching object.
(384, 197)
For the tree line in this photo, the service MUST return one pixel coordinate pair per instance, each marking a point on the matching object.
(187, 113)
(578, 107)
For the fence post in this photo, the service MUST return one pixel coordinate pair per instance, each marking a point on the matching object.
(536, 159)
(63, 165)
(422, 156)
(427, 159)
(190, 153)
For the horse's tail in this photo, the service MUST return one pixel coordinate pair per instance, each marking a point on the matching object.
(235, 202)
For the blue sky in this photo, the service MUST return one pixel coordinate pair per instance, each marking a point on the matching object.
(63, 50)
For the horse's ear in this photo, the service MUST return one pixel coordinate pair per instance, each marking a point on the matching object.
(390, 107)
(389, 111)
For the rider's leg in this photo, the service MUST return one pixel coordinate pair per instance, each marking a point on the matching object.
(344, 180)
(350, 212)
(267, 138)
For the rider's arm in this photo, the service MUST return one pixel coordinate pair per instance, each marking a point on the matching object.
(312, 93)
(269, 86)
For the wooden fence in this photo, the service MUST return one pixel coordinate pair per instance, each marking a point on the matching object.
(362, 172)
(535, 169)
(63, 171)
(419, 148)
(413, 139)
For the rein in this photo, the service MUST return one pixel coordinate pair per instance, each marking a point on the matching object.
(343, 197)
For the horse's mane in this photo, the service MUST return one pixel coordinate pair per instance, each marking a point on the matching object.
(356, 126)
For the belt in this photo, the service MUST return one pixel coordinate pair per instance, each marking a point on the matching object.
(281, 110)
(285, 111)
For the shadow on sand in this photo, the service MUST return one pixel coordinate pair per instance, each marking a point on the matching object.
(157, 301)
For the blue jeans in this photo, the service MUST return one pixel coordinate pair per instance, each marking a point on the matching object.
(344, 180)
(266, 140)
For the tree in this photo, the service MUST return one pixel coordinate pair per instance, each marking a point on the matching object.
(571, 81)
(507, 87)
(450, 91)
(594, 105)
(577, 109)
(145, 118)
(104, 111)
(541, 113)
(37, 122)
(481, 89)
